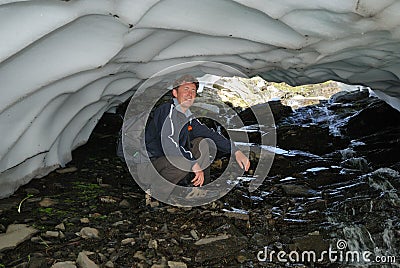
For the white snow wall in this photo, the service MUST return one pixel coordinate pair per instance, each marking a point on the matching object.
(64, 63)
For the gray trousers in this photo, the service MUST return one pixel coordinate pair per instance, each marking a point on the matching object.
(155, 173)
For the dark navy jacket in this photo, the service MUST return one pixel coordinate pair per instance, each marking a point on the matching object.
(177, 129)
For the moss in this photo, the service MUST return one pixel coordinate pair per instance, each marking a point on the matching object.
(57, 212)
(87, 191)
(46, 210)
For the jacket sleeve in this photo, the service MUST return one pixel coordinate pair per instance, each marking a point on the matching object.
(223, 144)
(169, 131)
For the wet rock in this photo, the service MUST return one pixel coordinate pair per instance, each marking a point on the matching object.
(172, 210)
(58, 255)
(357, 163)
(375, 117)
(319, 204)
(47, 202)
(128, 241)
(175, 264)
(85, 220)
(164, 229)
(103, 258)
(314, 139)
(241, 258)
(259, 239)
(37, 260)
(194, 234)
(65, 264)
(123, 222)
(60, 227)
(15, 235)
(313, 241)
(349, 96)
(109, 264)
(209, 240)
(32, 191)
(347, 153)
(159, 266)
(242, 215)
(153, 244)
(298, 190)
(54, 234)
(66, 170)
(108, 199)
(221, 248)
(83, 261)
(88, 232)
(39, 240)
(278, 110)
(139, 255)
(381, 148)
(124, 204)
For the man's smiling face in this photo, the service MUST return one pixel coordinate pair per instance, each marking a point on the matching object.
(185, 94)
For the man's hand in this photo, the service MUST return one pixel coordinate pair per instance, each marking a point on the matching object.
(199, 175)
(242, 160)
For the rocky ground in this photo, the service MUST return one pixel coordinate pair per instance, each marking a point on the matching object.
(334, 179)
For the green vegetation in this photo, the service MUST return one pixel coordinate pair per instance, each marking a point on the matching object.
(57, 212)
(100, 218)
(89, 191)
(85, 186)
(46, 210)
(312, 90)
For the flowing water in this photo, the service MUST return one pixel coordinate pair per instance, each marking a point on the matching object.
(341, 195)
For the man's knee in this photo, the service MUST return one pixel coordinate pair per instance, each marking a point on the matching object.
(204, 146)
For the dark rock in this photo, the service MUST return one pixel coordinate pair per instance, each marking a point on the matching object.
(358, 163)
(37, 262)
(314, 242)
(298, 190)
(32, 191)
(220, 249)
(313, 139)
(373, 119)
(381, 148)
(278, 110)
(262, 240)
(349, 96)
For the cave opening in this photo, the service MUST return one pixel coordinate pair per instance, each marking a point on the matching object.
(334, 176)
